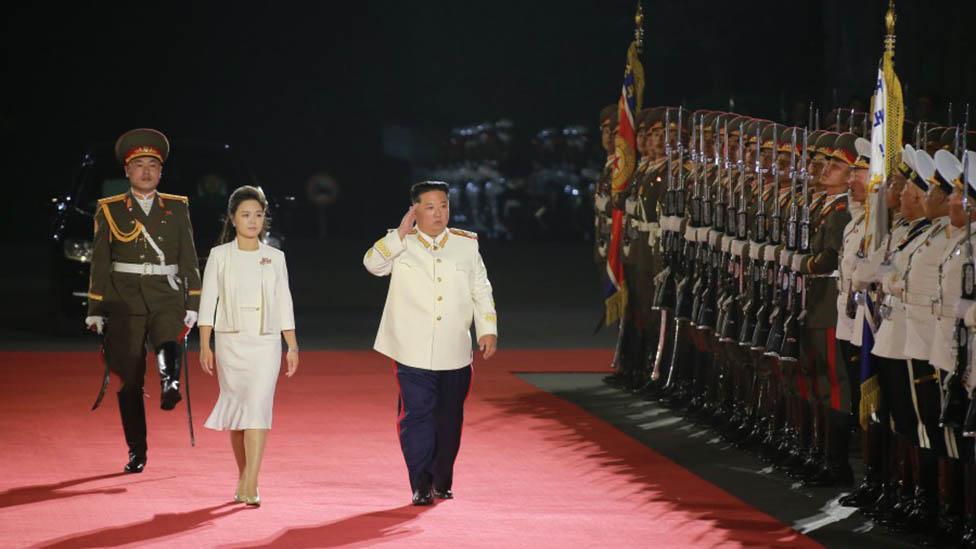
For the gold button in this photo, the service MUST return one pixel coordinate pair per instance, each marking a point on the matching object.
(440, 298)
(438, 318)
(438, 279)
(435, 248)
(438, 260)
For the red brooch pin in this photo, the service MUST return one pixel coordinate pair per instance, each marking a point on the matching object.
(266, 261)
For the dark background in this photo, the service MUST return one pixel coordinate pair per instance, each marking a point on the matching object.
(304, 87)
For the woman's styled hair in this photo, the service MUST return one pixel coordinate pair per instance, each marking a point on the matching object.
(240, 194)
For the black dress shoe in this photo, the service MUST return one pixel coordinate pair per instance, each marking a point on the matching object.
(422, 497)
(136, 463)
(443, 494)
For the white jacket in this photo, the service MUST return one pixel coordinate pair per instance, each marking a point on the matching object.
(218, 300)
(437, 288)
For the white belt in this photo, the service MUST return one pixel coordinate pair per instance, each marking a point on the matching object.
(149, 269)
(755, 250)
(919, 300)
(648, 226)
(833, 274)
(145, 268)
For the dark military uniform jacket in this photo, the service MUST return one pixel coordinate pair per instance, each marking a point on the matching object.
(122, 234)
(826, 243)
(602, 214)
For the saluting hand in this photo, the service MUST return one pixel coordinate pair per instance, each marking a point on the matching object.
(207, 360)
(488, 343)
(408, 221)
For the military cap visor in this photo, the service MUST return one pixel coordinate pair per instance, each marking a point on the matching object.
(142, 142)
(949, 168)
(908, 158)
(925, 166)
(609, 114)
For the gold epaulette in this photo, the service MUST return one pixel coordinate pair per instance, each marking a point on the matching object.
(114, 230)
(465, 234)
(179, 197)
(110, 199)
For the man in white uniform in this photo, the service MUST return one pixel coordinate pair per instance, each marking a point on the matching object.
(438, 286)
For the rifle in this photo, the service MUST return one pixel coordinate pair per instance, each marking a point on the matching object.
(730, 330)
(664, 296)
(751, 317)
(774, 342)
(685, 249)
(767, 311)
(706, 316)
(697, 220)
(954, 399)
(790, 350)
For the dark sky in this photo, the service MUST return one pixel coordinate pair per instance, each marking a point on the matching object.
(309, 85)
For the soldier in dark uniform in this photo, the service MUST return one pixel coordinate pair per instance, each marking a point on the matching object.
(831, 406)
(142, 257)
(653, 183)
(602, 206)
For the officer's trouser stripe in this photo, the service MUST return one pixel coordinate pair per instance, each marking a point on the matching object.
(923, 435)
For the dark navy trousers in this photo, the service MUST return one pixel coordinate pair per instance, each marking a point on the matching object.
(430, 412)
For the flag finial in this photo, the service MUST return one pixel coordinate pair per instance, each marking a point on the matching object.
(890, 19)
(639, 26)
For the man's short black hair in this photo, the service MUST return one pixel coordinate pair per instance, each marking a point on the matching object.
(418, 189)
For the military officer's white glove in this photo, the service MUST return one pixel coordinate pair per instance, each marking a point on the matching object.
(963, 306)
(798, 261)
(190, 319)
(601, 201)
(96, 324)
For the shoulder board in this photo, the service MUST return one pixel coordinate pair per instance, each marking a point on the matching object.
(465, 234)
(179, 197)
(110, 199)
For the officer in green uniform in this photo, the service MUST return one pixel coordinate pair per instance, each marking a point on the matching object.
(831, 406)
(650, 196)
(142, 259)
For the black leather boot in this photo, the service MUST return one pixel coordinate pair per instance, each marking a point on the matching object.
(133, 412)
(837, 468)
(170, 367)
(868, 495)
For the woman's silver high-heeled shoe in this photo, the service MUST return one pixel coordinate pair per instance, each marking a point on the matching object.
(252, 501)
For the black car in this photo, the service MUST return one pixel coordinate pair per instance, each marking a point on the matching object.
(206, 172)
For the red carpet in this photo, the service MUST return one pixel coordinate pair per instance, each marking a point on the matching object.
(534, 470)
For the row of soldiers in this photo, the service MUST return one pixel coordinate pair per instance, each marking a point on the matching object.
(758, 302)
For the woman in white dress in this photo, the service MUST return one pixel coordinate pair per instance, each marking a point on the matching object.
(247, 302)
